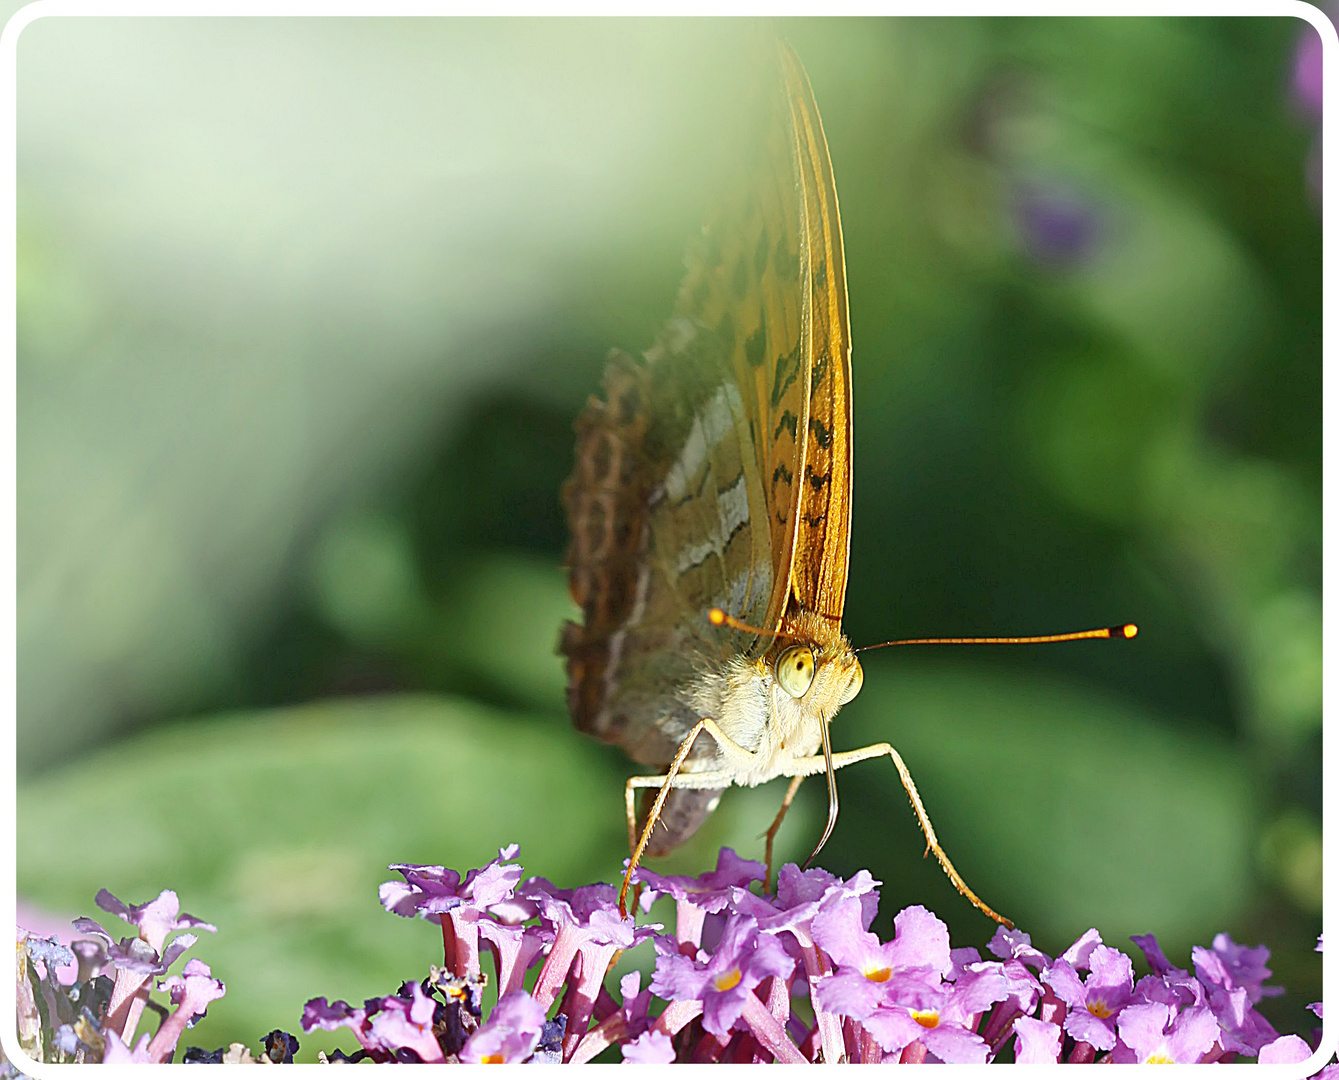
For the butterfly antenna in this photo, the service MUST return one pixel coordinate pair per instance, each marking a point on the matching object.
(719, 617)
(1125, 632)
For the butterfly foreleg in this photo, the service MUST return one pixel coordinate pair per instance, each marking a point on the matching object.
(776, 824)
(810, 766)
(674, 778)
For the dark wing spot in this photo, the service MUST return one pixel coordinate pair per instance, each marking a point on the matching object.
(739, 281)
(787, 266)
(734, 483)
(820, 373)
(733, 533)
(697, 491)
(814, 479)
(760, 255)
(786, 423)
(782, 379)
(815, 522)
(821, 435)
(782, 473)
(756, 346)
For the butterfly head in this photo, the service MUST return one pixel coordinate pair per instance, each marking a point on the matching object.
(815, 665)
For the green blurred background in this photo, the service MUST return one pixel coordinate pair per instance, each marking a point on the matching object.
(306, 312)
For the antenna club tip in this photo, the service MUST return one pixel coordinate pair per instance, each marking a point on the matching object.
(1129, 630)
(716, 617)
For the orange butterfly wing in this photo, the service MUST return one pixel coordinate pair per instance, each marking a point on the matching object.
(774, 277)
(822, 526)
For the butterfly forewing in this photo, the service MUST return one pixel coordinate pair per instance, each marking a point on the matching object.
(823, 525)
(697, 479)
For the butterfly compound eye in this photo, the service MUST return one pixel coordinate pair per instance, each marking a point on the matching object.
(795, 670)
(857, 681)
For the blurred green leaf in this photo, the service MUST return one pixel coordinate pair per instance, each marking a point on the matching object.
(365, 581)
(1062, 807)
(278, 826)
(504, 622)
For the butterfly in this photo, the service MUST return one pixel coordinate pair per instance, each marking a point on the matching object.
(710, 510)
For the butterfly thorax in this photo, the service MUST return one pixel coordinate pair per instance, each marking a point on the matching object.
(754, 703)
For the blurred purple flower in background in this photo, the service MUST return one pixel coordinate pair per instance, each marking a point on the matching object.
(1308, 98)
(1058, 224)
(1307, 82)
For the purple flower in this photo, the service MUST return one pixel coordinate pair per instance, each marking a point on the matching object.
(587, 931)
(318, 1013)
(511, 1033)
(626, 1022)
(1230, 965)
(650, 1048)
(897, 1028)
(1285, 1050)
(515, 950)
(155, 919)
(697, 897)
(1016, 945)
(798, 890)
(1168, 984)
(48, 952)
(1155, 1034)
(1244, 1029)
(429, 891)
(1307, 84)
(1094, 1003)
(722, 981)
(710, 891)
(897, 990)
(1038, 1041)
(1233, 977)
(871, 973)
(140, 958)
(397, 1023)
(191, 992)
(135, 954)
(1078, 954)
(435, 892)
(1057, 224)
(117, 1053)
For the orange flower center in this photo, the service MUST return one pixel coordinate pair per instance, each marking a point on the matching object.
(492, 1059)
(878, 974)
(927, 1018)
(1099, 1009)
(729, 980)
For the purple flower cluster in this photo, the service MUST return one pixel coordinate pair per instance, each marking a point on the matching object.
(95, 1018)
(571, 935)
(914, 998)
(793, 977)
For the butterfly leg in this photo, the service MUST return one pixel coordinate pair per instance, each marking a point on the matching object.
(809, 766)
(776, 824)
(705, 780)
